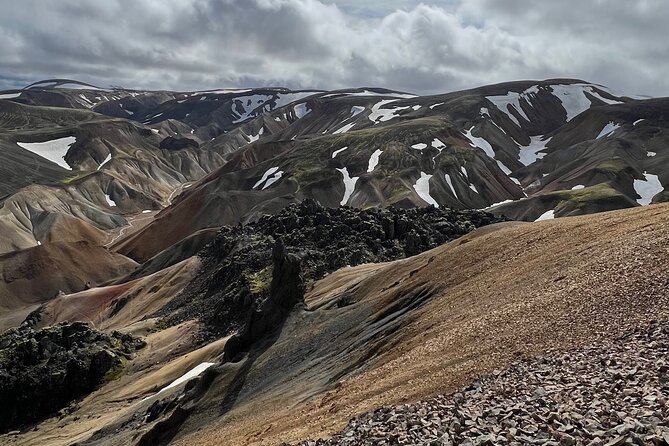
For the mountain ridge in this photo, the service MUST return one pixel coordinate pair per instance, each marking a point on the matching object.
(182, 217)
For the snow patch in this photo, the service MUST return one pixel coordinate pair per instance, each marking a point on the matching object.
(637, 121)
(265, 176)
(301, 110)
(254, 138)
(530, 153)
(193, 373)
(356, 109)
(450, 183)
(379, 114)
(436, 105)
(578, 187)
(548, 215)
(374, 160)
(499, 203)
(465, 174)
(506, 171)
(573, 98)
(416, 107)
(105, 161)
(228, 91)
(373, 93)
(54, 150)
(336, 152)
(487, 148)
(512, 100)
(273, 179)
(88, 102)
(10, 95)
(110, 202)
(437, 144)
(602, 98)
(647, 188)
(147, 211)
(349, 185)
(344, 129)
(481, 143)
(422, 188)
(245, 107)
(649, 153)
(419, 146)
(608, 129)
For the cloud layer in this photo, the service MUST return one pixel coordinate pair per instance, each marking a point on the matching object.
(419, 47)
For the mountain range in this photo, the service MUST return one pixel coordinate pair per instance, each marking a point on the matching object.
(310, 255)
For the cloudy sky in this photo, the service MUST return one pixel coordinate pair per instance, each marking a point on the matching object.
(422, 47)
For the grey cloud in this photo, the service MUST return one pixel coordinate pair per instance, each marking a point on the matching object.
(424, 47)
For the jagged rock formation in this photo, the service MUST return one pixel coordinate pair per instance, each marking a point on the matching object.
(42, 371)
(263, 320)
(237, 265)
(606, 394)
(286, 290)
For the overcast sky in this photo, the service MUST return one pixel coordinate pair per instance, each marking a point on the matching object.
(422, 47)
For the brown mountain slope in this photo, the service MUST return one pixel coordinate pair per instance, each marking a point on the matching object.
(120, 306)
(35, 275)
(435, 321)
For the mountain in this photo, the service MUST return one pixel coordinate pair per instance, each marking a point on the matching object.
(551, 148)
(458, 150)
(280, 245)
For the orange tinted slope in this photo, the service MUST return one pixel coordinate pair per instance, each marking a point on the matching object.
(496, 295)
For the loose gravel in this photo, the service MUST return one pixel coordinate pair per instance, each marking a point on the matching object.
(608, 394)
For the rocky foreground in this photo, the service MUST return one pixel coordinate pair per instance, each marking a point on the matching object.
(611, 394)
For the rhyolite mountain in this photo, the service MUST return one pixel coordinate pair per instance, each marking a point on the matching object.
(551, 148)
(279, 244)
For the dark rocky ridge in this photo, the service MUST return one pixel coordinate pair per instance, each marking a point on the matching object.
(262, 323)
(43, 371)
(237, 265)
(172, 143)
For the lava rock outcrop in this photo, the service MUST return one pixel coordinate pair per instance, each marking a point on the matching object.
(42, 371)
(238, 270)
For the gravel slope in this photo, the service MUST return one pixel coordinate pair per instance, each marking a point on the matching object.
(606, 394)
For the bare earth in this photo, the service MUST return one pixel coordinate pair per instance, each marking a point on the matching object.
(507, 293)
